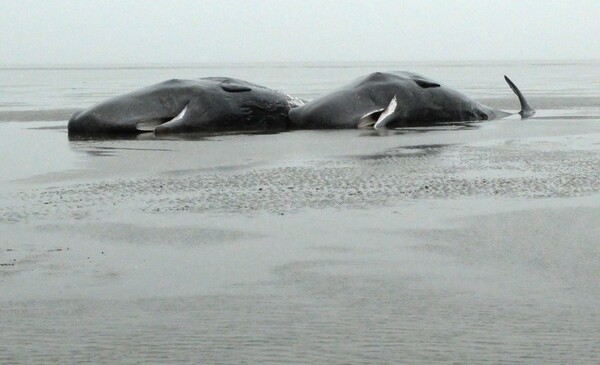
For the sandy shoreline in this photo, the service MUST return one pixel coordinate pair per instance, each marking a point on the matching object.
(469, 245)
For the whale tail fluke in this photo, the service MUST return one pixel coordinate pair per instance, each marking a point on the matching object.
(526, 109)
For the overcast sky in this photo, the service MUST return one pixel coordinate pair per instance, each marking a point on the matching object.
(194, 31)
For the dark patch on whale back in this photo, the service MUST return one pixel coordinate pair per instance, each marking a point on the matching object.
(383, 76)
(426, 84)
(235, 88)
(418, 79)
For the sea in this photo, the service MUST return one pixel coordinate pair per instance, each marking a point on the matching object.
(475, 243)
(52, 93)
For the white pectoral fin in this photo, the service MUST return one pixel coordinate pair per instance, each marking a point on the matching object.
(152, 124)
(174, 124)
(179, 116)
(383, 117)
(369, 119)
(148, 125)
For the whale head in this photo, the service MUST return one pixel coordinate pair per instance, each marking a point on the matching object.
(135, 112)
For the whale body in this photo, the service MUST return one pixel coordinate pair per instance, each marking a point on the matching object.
(393, 100)
(178, 106)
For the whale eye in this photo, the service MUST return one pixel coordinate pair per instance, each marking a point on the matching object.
(483, 116)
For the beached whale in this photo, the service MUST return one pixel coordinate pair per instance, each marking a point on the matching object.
(178, 106)
(393, 100)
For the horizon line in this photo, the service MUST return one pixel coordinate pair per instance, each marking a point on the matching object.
(314, 63)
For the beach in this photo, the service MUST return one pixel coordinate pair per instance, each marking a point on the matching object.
(467, 243)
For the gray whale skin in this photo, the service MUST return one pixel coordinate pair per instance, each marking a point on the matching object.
(396, 99)
(210, 104)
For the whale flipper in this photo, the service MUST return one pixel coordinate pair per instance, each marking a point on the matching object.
(391, 108)
(369, 119)
(377, 118)
(178, 120)
(148, 125)
(526, 110)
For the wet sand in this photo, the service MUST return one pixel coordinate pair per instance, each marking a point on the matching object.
(466, 244)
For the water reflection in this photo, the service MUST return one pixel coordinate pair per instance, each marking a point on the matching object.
(206, 136)
(150, 136)
(407, 151)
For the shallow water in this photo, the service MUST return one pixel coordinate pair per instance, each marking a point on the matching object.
(59, 90)
(474, 243)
